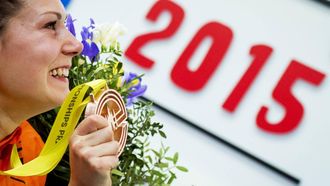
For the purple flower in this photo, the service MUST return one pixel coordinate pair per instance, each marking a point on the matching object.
(136, 89)
(90, 48)
(86, 34)
(92, 23)
(69, 25)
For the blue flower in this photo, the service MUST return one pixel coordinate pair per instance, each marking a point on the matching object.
(69, 25)
(136, 89)
(66, 3)
(90, 50)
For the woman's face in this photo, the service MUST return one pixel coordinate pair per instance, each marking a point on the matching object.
(35, 55)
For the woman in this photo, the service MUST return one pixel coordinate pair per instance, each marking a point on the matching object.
(35, 55)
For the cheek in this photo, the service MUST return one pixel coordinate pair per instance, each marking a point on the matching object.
(27, 71)
(24, 76)
(45, 54)
(35, 57)
(36, 66)
(28, 68)
(40, 49)
(17, 82)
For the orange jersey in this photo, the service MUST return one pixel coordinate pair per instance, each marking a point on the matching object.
(29, 145)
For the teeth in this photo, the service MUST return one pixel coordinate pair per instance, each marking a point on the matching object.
(59, 72)
(54, 72)
(66, 72)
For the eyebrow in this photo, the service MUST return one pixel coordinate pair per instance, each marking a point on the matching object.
(58, 15)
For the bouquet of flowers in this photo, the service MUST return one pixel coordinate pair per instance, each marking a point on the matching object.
(101, 58)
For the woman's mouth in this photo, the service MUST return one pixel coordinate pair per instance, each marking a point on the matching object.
(59, 72)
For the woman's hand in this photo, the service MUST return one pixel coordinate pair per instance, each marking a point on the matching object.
(92, 152)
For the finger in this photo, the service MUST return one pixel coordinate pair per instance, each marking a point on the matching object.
(104, 149)
(100, 136)
(104, 163)
(91, 124)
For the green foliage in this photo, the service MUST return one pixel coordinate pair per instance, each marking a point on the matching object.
(139, 163)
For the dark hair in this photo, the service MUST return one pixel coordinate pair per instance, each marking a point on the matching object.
(8, 9)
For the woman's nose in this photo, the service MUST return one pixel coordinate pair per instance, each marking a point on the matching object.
(72, 46)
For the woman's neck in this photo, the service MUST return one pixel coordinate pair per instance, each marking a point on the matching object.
(8, 123)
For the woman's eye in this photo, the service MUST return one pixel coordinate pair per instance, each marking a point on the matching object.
(51, 25)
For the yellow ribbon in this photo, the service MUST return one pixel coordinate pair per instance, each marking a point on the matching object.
(58, 138)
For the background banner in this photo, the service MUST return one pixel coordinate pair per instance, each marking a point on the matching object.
(252, 75)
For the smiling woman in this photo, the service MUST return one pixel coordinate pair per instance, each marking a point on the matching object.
(36, 51)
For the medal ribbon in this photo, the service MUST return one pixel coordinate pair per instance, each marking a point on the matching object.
(58, 139)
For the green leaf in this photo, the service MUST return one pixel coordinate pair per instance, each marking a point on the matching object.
(169, 159)
(162, 134)
(175, 158)
(173, 176)
(156, 153)
(161, 152)
(166, 149)
(181, 168)
(149, 159)
(117, 172)
(162, 165)
(157, 173)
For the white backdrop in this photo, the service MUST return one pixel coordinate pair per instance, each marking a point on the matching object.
(294, 29)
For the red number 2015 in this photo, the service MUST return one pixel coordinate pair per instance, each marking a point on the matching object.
(221, 35)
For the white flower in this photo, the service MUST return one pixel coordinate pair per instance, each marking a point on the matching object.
(107, 34)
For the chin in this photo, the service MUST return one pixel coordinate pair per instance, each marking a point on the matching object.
(63, 96)
(57, 97)
(58, 89)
